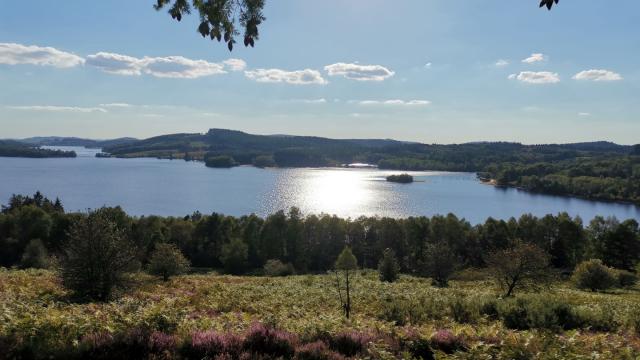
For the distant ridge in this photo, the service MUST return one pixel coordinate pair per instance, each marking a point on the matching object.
(75, 141)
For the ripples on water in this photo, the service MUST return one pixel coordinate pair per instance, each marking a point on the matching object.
(165, 187)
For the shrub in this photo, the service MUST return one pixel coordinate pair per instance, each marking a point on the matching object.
(349, 343)
(133, 344)
(419, 348)
(160, 342)
(463, 311)
(488, 307)
(167, 260)
(265, 340)
(593, 275)
(276, 267)
(448, 342)
(388, 268)
(210, 344)
(96, 256)
(316, 351)
(396, 311)
(440, 263)
(35, 255)
(626, 279)
(539, 312)
(234, 256)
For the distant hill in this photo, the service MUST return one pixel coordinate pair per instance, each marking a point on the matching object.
(300, 151)
(11, 148)
(74, 141)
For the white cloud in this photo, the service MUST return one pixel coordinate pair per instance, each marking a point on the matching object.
(299, 77)
(235, 64)
(359, 72)
(310, 101)
(502, 63)
(534, 58)
(115, 63)
(540, 77)
(584, 114)
(116, 105)
(395, 102)
(14, 54)
(177, 67)
(51, 108)
(598, 75)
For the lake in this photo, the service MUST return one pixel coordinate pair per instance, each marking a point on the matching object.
(178, 188)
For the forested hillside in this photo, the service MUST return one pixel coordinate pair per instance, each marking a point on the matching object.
(9, 148)
(597, 170)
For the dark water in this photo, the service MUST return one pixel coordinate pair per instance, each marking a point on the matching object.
(165, 187)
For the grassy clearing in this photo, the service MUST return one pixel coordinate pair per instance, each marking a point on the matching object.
(35, 309)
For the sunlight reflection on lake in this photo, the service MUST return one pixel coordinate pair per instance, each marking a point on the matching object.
(178, 188)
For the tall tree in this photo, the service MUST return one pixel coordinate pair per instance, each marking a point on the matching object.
(96, 256)
(345, 265)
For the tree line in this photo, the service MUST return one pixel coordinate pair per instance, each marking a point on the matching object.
(32, 226)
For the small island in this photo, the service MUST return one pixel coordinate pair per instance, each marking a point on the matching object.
(402, 178)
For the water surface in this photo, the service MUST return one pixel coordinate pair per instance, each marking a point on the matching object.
(178, 188)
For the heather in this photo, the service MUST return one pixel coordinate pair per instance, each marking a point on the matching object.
(299, 317)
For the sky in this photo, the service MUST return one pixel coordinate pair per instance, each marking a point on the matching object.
(419, 70)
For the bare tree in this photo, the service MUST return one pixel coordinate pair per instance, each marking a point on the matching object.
(521, 266)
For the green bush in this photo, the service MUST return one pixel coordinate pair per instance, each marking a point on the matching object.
(35, 255)
(538, 312)
(388, 268)
(463, 311)
(276, 267)
(594, 275)
(167, 260)
(626, 279)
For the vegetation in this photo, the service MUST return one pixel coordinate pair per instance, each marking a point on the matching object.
(597, 170)
(346, 264)
(302, 317)
(520, 266)
(74, 141)
(202, 316)
(221, 161)
(275, 267)
(166, 261)
(388, 268)
(9, 148)
(402, 178)
(234, 256)
(426, 246)
(593, 275)
(219, 19)
(95, 256)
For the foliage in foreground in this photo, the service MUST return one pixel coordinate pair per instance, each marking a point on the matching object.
(192, 315)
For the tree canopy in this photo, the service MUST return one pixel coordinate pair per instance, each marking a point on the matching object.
(220, 19)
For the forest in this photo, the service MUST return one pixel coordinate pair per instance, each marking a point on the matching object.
(105, 285)
(311, 243)
(596, 170)
(10, 148)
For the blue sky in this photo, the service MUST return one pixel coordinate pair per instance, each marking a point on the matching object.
(423, 70)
